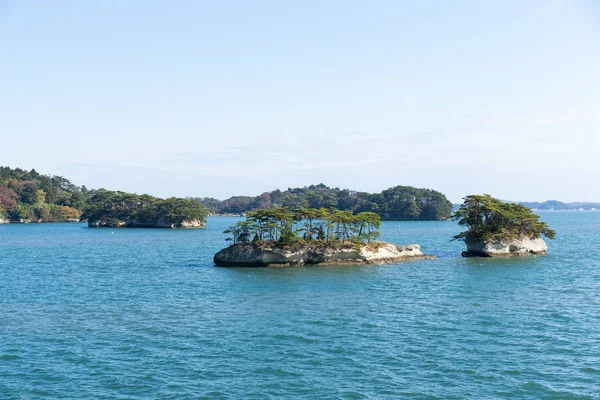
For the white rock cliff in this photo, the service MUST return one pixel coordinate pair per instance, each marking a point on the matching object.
(268, 254)
(522, 246)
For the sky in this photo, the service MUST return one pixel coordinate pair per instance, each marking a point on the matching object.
(215, 99)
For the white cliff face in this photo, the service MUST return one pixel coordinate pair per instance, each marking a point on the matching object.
(517, 247)
(196, 223)
(390, 252)
(272, 255)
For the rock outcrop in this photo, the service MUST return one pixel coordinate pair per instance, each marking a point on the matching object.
(4, 221)
(115, 223)
(274, 254)
(523, 246)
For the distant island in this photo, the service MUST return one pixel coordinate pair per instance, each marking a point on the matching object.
(309, 236)
(119, 209)
(555, 205)
(497, 228)
(396, 203)
(28, 196)
(560, 206)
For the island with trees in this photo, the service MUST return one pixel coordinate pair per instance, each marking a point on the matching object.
(28, 196)
(309, 236)
(117, 209)
(497, 228)
(396, 203)
(555, 205)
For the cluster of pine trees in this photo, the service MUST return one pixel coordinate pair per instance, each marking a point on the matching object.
(490, 219)
(286, 226)
(397, 203)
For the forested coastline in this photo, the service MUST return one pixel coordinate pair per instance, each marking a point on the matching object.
(28, 196)
(396, 203)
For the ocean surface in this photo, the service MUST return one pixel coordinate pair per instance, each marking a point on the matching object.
(141, 313)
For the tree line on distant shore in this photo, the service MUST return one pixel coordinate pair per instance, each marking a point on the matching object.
(28, 196)
(559, 205)
(396, 203)
(287, 226)
(31, 196)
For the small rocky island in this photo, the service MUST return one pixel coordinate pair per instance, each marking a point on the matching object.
(498, 229)
(284, 237)
(273, 254)
(114, 209)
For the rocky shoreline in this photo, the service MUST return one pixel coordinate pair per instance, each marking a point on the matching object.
(115, 223)
(272, 254)
(36, 221)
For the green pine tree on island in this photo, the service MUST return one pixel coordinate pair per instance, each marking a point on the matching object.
(496, 228)
(287, 226)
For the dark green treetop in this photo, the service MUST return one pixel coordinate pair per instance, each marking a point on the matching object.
(487, 218)
(396, 203)
(107, 204)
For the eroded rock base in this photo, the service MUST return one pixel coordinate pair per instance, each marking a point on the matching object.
(275, 255)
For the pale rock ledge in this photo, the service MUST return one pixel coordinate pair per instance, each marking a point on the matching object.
(523, 246)
(274, 254)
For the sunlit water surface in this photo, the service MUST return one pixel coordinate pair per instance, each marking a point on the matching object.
(140, 313)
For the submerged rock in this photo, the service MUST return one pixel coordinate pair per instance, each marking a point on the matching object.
(275, 254)
(523, 246)
(115, 223)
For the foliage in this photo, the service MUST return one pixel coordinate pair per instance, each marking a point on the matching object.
(143, 209)
(29, 195)
(487, 218)
(66, 213)
(212, 205)
(397, 203)
(287, 226)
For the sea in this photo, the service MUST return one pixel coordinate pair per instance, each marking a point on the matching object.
(143, 314)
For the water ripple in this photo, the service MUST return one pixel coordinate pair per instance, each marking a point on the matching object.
(142, 314)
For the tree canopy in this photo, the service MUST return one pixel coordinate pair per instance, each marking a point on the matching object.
(396, 203)
(144, 210)
(29, 195)
(286, 226)
(489, 219)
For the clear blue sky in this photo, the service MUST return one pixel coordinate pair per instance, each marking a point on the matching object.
(199, 98)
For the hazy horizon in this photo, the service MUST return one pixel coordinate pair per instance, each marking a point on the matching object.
(215, 100)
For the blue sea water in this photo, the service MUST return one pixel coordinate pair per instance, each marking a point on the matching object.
(141, 313)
